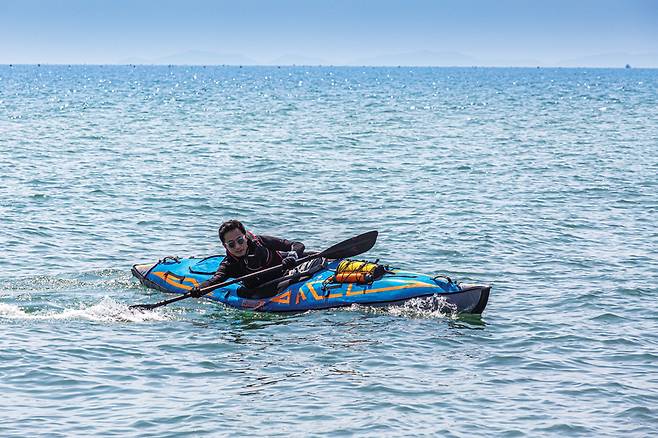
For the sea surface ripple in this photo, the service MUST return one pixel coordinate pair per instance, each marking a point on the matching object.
(542, 182)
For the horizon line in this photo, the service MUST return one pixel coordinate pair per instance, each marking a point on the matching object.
(39, 64)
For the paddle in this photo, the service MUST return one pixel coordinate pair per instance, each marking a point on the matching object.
(347, 248)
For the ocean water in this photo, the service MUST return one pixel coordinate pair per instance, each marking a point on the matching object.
(541, 182)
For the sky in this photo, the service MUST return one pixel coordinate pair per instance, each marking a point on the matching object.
(340, 32)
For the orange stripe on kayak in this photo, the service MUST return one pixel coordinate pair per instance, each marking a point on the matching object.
(404, 286)
(282, 299)
(176, 283)
(315, 294)
(285, 297)
(352, 291)
(340, 294)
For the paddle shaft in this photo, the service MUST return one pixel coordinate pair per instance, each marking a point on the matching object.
(206, 290)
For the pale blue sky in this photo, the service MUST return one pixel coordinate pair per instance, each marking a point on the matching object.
(467, 32)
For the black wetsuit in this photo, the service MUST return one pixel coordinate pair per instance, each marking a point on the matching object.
(262, 253)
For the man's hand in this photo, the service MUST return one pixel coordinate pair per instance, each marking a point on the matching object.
(290, 261)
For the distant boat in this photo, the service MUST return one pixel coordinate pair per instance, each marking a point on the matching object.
(628, 66)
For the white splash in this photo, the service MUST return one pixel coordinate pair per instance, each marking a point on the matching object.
(427, 307)
(107, 310)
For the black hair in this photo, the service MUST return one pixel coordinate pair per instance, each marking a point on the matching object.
(227, 226)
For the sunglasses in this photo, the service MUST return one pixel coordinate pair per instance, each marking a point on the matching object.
(239, 241)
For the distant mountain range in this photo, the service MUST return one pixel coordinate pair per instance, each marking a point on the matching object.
(196, 57)
(417, 58)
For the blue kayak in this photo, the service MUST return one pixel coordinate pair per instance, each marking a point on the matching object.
(317, 288)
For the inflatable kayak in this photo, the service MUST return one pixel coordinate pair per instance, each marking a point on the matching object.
(322, 284)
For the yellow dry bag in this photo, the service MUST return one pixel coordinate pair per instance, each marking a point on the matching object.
(361, 272)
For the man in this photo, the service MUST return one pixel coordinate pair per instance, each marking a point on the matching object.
(247, 253)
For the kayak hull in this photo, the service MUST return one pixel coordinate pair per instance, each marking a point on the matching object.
(179, 275)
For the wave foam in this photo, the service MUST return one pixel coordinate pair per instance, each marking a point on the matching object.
(426, 307)
(107, 310)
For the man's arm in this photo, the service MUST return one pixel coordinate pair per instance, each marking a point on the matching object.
(278, 244)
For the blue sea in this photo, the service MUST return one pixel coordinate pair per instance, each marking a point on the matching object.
(540, 182)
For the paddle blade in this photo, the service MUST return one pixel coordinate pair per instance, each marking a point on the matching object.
(351, 247)
(143, 306)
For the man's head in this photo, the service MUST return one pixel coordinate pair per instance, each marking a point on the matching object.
(233, 236)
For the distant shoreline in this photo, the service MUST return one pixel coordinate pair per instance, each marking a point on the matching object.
(624, 67)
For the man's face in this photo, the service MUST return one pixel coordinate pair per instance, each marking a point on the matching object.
(235, 242)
